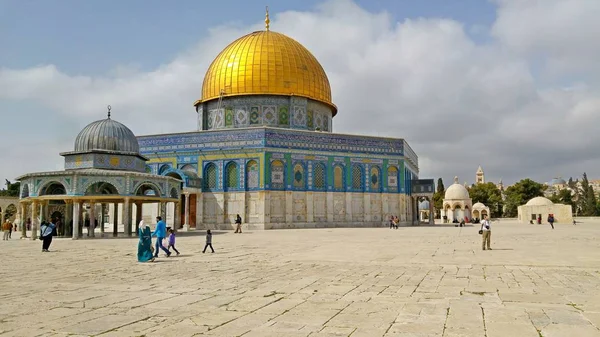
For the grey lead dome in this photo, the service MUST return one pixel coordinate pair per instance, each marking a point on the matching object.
(107, 135)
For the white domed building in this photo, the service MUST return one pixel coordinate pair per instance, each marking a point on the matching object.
(480, 210)
(105, 174)
(542, 207)
(457, 204)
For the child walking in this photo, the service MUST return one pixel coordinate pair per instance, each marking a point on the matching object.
(208, 241)
(172, 241)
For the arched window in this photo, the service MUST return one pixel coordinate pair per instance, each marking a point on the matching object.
(338, 177)
(210, 176)
(252, 177)
(357, 177)
(189, 168)
(319, 182)
(277, 175)
(299, 181)
(232, 177)
(163, 168)
(375, 179)
(392, 179)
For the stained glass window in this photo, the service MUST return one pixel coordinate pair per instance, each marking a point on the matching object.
(374, 179)
(252, 174)
(357, 177)
(319, 176)
(298, 176)
(338, 178)
(232, 175)
(210, 176)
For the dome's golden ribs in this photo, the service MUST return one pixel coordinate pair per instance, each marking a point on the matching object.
(266, 63)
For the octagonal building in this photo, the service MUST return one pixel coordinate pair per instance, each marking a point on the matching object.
(265, 149)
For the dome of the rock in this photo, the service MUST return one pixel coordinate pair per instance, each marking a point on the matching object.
(266, 63)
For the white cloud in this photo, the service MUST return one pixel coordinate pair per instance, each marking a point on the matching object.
(457, 102)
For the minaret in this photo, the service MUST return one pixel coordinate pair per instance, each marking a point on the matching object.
(479, 176)
(500, 185)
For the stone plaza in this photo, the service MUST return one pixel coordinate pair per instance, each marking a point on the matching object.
(414, 281)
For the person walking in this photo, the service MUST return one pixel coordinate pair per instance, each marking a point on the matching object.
(46, 235)
(551, 220)
(238, 224)
(6, 229)
(160, 232)
(144, 253)
(208, 241)
(486, 233)
(172, 241)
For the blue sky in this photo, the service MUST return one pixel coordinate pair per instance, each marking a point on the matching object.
(93, 37)
(466, 82)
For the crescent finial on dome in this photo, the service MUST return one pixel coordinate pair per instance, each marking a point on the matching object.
(456, 179)
(267, 21)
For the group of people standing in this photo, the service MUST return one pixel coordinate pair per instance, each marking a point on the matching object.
(7, 229)
(394, 221)
(148, 253)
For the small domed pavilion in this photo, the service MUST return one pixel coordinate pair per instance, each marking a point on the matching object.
(457, 203)
(105, 171)
(480, 210)
(542, 207)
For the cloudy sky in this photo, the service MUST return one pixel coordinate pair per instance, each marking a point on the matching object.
(512, 85)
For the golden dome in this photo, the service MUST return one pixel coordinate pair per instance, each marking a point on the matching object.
(266, 63)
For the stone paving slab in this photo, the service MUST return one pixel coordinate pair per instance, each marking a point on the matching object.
(415, 281)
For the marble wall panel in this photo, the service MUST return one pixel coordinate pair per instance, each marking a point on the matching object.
(339, 207)
(320, 207)
(299, 206)
(358, 207)
(278, 209)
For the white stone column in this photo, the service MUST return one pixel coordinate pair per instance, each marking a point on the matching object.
(199, 210)
(35, 220)
(186, 220)
(127, 216)
(177, 215)
(289, 207)
(431, 212)
(76, 216)
(310, 207)
(92, 228)
(23, 220)
(330, 207)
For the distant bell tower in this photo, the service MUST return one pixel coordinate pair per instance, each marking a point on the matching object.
(479, 176)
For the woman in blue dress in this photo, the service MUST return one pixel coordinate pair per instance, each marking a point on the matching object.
(145, 244)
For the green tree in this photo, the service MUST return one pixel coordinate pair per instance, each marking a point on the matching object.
(489, 195)
(438, 196)
(11, 190)
(565, 197)
(519, 193)
(588, 198)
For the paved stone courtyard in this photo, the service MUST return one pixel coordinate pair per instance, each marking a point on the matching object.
(414, 281)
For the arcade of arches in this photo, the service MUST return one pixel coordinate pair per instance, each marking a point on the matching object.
(101, 207)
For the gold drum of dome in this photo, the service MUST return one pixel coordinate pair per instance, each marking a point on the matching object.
(266, 63)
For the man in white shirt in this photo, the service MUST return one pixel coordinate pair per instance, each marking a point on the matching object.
(487, 232)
